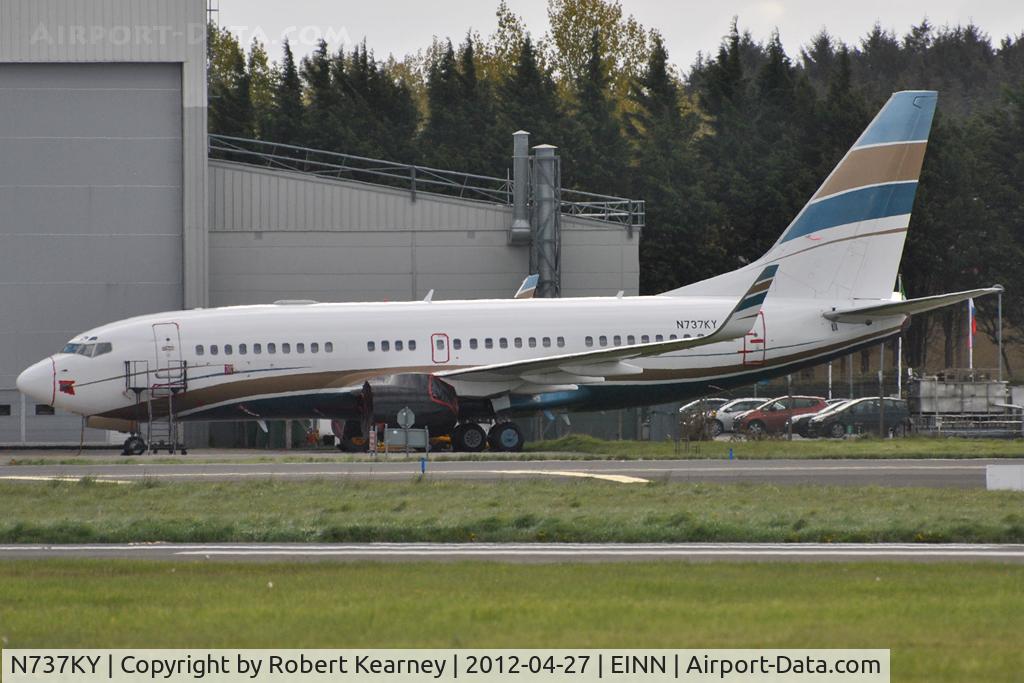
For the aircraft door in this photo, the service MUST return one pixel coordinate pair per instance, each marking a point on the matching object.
(755, 344)
(167, 342)
(439, 350)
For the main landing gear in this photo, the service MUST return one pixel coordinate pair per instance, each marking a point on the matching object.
(470, 437)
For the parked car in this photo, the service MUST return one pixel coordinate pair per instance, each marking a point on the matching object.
(862, 415)
(693, 418)
(722, 418)
(708, 404)
(770, 417)
(801, 423)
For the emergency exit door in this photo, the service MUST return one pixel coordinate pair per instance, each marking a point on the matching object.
(439, 347)
(755, 343)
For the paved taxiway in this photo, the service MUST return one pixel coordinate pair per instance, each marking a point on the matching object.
(924, 473)
(529, 553)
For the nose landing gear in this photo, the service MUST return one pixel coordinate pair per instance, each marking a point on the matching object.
(134, 445)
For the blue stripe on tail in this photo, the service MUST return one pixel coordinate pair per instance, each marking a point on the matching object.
(906, 116)
(895, 199)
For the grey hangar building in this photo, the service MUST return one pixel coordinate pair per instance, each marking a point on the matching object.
(115, 201)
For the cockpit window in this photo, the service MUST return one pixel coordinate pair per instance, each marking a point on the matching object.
(89, 350)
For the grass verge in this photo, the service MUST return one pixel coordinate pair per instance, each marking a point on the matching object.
(770, 449)
(942, 622)
(523, 510)
(582, 447)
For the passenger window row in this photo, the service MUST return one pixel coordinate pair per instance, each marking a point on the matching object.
(257, 349)
(517, 342)
(474, 343)
(386, 345)
(616, 340)
(520, 342)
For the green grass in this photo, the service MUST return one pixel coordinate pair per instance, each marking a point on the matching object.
(582, 447)
(777, 448)
(947, 622)
(531, 510)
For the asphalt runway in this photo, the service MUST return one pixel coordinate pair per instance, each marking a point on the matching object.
(917, 473)
(528, 553)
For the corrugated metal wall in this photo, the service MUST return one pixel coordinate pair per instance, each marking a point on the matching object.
(170, 31)
(280, 235)
(103, 177)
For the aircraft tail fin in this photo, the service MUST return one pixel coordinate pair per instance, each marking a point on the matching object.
(847, 241)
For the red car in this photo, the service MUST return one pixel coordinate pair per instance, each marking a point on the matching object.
(770, 416)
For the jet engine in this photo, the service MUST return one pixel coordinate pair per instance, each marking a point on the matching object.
(432, 400)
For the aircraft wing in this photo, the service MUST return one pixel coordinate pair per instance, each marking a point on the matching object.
(865, 314)
(594, 366)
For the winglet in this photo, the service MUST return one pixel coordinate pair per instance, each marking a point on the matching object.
(741, 319)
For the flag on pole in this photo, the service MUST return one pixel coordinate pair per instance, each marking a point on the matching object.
(973, 320)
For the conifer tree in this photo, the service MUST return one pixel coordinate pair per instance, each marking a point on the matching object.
(286, 115)
(230, 107)
(528, 100)
(598, 151)
(452, 138)
(319, 71)
(261, 87)
(665, 175)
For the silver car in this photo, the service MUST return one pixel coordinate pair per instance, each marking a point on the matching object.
(723, 417)
(708, 404)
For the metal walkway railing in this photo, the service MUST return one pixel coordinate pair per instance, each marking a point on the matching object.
(324, 164)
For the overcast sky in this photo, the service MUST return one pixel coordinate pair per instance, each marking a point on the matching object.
(403, 26)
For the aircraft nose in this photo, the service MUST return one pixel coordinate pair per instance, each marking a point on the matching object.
(38, 381)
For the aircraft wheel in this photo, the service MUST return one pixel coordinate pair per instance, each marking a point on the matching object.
(469, 438)
(837, 430)
(505, 437)
(134, 445)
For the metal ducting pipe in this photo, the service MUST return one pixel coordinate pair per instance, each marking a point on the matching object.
(546, 250)
(519, 233)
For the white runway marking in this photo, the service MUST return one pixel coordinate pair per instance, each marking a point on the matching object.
(807, 468)
(99, 479)
(537, 551)
(619, 478)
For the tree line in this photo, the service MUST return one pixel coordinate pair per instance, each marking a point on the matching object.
(725, 152)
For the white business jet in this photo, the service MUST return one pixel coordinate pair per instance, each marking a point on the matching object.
(823, 290)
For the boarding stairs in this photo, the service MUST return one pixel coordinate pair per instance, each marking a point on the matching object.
(157, 387)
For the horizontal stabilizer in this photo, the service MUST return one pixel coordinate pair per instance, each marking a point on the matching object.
(867, 314)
